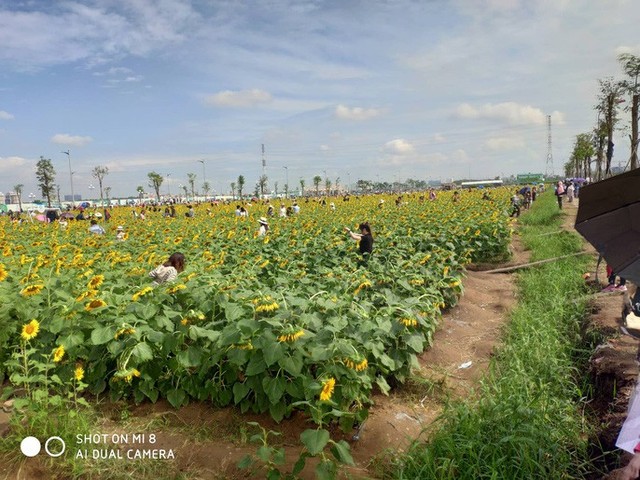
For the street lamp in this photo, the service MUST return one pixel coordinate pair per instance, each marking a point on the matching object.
(91, 188)
(168, 185)
(68, 154)
(204, 177)
(31, 197)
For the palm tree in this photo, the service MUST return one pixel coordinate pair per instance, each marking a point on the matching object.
(107, 191)
(316, 181)
(262, 184)
(140, 191)
(302, 187)
(99, 173)
(192, 183)
(155, 181)
(18, 190)
(233, 190)
(240, 185)
(327, 184)
(206, 188)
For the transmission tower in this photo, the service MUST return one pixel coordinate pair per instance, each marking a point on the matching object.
(264, 162)
(549, 168)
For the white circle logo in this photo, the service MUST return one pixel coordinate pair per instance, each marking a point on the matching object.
(30, 446)
(55, 454)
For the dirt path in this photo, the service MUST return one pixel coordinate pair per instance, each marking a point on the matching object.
(209, 442)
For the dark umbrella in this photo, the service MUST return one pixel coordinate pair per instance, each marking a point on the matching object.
(524, 190)
(609, 218)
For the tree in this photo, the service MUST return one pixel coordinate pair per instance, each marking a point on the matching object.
(18, 190)
(99, 173)
(155, 181)
(316, 181)
(206, 188)
(579, 164)
(256, 189)
(275, 188)
(327, 186)
(140, 191)
(46, 175)
(338, 185)
(233, 190)
(192, 183)
(609, 98)
(240, 185)
(302, 187)
(262, 184)
(186, 190)
(107, 191)
(631, 66)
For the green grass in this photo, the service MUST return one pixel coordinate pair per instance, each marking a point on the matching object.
(526, 420)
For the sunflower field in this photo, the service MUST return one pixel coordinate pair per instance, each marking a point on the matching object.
(291, 320)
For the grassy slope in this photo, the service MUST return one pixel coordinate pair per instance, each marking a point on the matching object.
(526, 420)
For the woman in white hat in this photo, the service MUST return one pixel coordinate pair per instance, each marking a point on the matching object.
(264, 227)
(120, 233)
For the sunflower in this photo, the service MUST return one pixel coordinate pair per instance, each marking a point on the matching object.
(176, 288)
(136, 296)
(93, 304)
(291, 337)
(327, 389)
(3, 273)
(83, 295)
(409, 322)
(30, 330)
(58, 353)
(30, 290)
(78, 373)
(95, 282)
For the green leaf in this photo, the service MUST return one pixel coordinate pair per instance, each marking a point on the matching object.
(278, 411)
(292, 365)
(191, 357)
(299, 465)
(256, 365)
(326, 470)
(383, 385)
(176, 397)
(416, 343)
(240, 391)
(264, 453)
(274, 388)
(149, 311)
(56, 324)
(245, 462)
(142, 352)
(273, 354)
(102, 335)
(196, 332)
(233, 312)
(315, 440)
(342, 452)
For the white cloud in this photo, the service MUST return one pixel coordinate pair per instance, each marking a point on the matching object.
(399, 146)
(509, 112)
(240, 98)
(325, 148)
(459, 156)
(504, 143)
(71, 140)
(5, 115)
(439, 138)
(356, 113)
(9, 164)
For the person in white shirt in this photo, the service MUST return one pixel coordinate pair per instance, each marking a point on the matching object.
(95, 228)
(169, 270)
(264, 227)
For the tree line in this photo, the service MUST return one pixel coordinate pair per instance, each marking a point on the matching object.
(593, 151)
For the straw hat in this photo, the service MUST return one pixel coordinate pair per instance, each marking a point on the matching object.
(263, 221)
(120, 227)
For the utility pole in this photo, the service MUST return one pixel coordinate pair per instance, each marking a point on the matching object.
(73, 199)
(264, 162)
(549, 168)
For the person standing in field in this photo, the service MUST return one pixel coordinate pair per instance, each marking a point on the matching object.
(169, 270)
(264, 227)
(365, 238)
(570, 190)
(559, 191)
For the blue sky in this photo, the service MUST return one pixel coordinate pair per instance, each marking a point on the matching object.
(385, 90)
